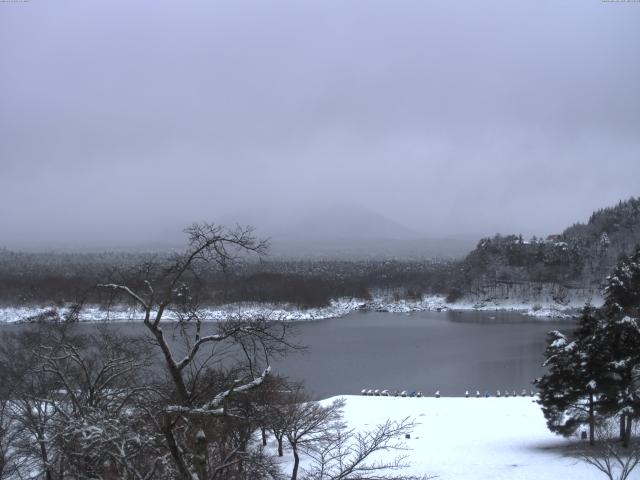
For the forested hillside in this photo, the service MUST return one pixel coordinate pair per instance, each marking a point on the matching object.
(503, 267)
(609, 233)
(579, 258)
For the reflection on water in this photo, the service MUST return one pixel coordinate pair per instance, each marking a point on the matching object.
(489, 316)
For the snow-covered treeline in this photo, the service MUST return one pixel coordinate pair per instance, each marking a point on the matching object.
(533, 274)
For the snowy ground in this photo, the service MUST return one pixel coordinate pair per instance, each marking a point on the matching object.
(472, 439)
(337, 308)
(91, 313)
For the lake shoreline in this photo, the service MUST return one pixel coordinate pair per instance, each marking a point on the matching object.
(337, 308)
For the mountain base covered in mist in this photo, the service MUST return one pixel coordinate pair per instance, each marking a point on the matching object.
(550, 277)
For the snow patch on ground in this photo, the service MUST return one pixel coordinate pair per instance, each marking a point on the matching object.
(471, 438)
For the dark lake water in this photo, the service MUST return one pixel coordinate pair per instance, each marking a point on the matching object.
(428, 351)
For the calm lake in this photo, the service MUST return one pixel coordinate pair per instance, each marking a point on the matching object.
(428, 351)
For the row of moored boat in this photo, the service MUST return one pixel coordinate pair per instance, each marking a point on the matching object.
(404, 393)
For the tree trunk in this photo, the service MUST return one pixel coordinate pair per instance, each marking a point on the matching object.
(296, 463)
(627, 432)
(592, 422)
(174, 371)
(622, 426)
(45, 457)
(280, 450)
(200, 457)
(243, 449)
(264, 437)
(176, 453)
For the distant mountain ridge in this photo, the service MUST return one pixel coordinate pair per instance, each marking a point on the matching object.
(351, 231)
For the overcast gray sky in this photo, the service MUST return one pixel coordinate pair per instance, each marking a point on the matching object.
(124, 120)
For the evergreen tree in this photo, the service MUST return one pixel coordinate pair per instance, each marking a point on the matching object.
(569, 390)
(622, 293)
(620, 387)
(620, 344)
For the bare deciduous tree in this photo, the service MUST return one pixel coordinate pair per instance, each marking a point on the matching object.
(348, 454)
(76, 402)
(306, 423)
(197, 408)
(333, 451)
(610, 456)
(10, 459)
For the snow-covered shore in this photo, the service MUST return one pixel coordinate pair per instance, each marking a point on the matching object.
(541, 310)
(337, 308)
(471, 439)
(92, 313)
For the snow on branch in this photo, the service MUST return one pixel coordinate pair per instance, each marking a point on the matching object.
(125, 289)
(219, 399)
(214, 406)
(226, 334)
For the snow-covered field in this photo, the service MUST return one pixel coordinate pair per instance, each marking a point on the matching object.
(472, 438)
(337, 308)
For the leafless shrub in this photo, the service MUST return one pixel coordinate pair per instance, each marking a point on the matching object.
(610, 456)
(348, 454)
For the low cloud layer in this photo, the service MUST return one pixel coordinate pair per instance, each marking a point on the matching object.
(120, 121)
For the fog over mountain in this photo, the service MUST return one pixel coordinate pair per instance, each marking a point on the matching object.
(352, 231)
(121, 122)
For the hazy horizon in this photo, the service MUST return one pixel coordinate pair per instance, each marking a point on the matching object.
(334, 231)
(123, 122)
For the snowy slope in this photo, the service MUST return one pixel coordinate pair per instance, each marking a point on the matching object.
(473, 439)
